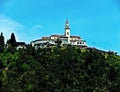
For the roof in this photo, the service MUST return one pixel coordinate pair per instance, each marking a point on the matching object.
(75, 37)
(45, 37)
(64, 37)
(77, 40)
(43, 40)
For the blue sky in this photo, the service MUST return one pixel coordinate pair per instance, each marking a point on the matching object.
(96, 21)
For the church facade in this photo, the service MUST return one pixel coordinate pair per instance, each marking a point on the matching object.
(66, 38)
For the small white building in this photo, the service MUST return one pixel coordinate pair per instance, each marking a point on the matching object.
(77, 41)
(42, 43)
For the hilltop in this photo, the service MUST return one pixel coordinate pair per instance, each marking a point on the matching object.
(59, 69)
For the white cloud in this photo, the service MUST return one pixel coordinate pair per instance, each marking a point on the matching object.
(37, 27)
(7, 26)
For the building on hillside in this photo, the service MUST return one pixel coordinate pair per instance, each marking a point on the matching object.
(66, 38)
(20, 45)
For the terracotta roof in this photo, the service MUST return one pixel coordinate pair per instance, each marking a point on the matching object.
(45, 37)
(75, 37)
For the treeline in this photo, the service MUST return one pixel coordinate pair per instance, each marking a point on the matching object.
(63, 69)
(11, 43)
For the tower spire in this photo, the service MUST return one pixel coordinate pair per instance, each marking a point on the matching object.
(67, 21)
(67, 25)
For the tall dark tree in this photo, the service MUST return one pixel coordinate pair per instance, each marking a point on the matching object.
(12, 40)
(1, 42)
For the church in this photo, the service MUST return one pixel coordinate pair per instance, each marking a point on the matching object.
(66, 39)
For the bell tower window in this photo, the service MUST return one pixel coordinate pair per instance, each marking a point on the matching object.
(67, 33)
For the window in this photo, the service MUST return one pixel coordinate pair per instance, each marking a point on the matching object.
(67, 33)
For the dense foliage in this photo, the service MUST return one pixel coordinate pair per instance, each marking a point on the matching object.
(63, 69)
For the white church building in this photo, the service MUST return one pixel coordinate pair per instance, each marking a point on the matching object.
(66, 38)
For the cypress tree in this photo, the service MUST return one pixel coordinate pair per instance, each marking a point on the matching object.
(12, 40)
(2, 40)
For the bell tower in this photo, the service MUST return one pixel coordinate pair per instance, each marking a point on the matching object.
(67, 30)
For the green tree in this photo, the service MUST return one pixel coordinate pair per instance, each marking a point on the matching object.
(12, 41)
(1, 42)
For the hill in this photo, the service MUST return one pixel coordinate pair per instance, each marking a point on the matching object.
(66, 69)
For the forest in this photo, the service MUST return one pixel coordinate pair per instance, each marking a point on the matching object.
(58, 69)
(65, 69)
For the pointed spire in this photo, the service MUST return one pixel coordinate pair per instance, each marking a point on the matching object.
(67, 25)
(67, 21)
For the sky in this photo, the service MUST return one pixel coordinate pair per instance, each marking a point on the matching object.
(96, 21)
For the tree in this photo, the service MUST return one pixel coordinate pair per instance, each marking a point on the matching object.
(12, 40)
(1, 42)
(59, 70)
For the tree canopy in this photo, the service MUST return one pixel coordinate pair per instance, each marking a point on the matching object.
(53, 69)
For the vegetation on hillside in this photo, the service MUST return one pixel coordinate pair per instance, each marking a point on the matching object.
(57, 69)
(66, 69)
